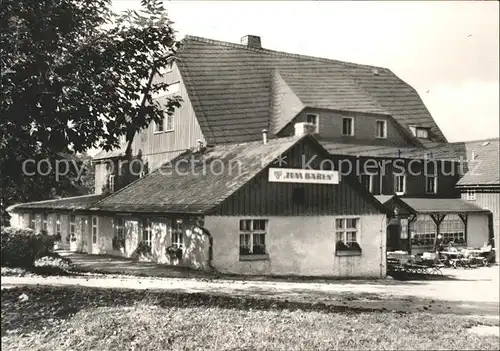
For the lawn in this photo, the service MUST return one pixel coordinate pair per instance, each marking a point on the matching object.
(55, 318)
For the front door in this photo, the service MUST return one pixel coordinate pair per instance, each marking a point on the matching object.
(393, 242)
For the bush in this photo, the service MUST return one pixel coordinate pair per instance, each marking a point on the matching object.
(118, 243)
(22, 246)
(143, 249)
(55, 261)
(174, 252)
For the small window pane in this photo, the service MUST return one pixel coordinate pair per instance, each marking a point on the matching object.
(351, 237)
(259, 225)
(245, 240)
(347, 126)
(339, 223)
(159, 126)
(351, 223)
(259, 244)
(246, 224)
(339, 236)
(170, 122)
(381, 129)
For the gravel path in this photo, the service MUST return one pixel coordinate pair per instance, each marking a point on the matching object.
(471, 291)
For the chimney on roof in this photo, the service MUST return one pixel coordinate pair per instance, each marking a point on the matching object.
(304, 128)
(375, 71)
(264, 136)
(252, 41)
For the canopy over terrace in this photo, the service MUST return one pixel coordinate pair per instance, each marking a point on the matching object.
(421, 220)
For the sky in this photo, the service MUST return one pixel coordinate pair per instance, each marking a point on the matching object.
(448, 51)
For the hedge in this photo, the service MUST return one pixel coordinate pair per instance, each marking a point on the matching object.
(22, 246)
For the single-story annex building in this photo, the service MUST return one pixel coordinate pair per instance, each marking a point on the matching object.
(245, 208)
(421, 220)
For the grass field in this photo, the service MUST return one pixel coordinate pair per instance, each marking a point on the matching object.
(63, 318)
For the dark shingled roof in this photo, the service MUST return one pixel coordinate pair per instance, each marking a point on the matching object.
(451, 151)
(67, 203)
(429, 205)
(186, 185)
(332, 89)
(230, 88)
(484, 169)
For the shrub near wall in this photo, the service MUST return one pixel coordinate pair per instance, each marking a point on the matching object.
(22, 246)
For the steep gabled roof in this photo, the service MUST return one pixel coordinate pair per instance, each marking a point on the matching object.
(451, 151)
(196, 182)
(484, 169)
(330, 88)
(230, 86)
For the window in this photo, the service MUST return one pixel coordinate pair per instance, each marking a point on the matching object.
(58, 224)
(120, 228)
(45, 221)
(431, 184)
(348, 126)
(381, 129)
(367, 181)
(404, 228)
(159, 127)
(346, 234)
(177, 234)
(119, 235)
(94, 230)
(147, 233)
(170, 123)
(314, 120)
(424, 231)
(400, 184)
(72, 227)
(471, 195)
(253, 236)
(452, 229)
(32, 220)
(111, 182)
(420, 132)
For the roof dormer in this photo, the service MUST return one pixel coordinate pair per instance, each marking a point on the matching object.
(420, 132)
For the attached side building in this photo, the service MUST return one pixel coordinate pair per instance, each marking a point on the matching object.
(481, 184)
(231, 207)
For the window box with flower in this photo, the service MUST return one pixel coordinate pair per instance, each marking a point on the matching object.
(346, 233)
(253, 240)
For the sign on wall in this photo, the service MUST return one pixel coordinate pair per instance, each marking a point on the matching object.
(297, 175)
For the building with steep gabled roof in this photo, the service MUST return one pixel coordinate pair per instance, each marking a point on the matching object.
(246, 103)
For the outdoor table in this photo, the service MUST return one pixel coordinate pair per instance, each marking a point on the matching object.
(451, 253)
